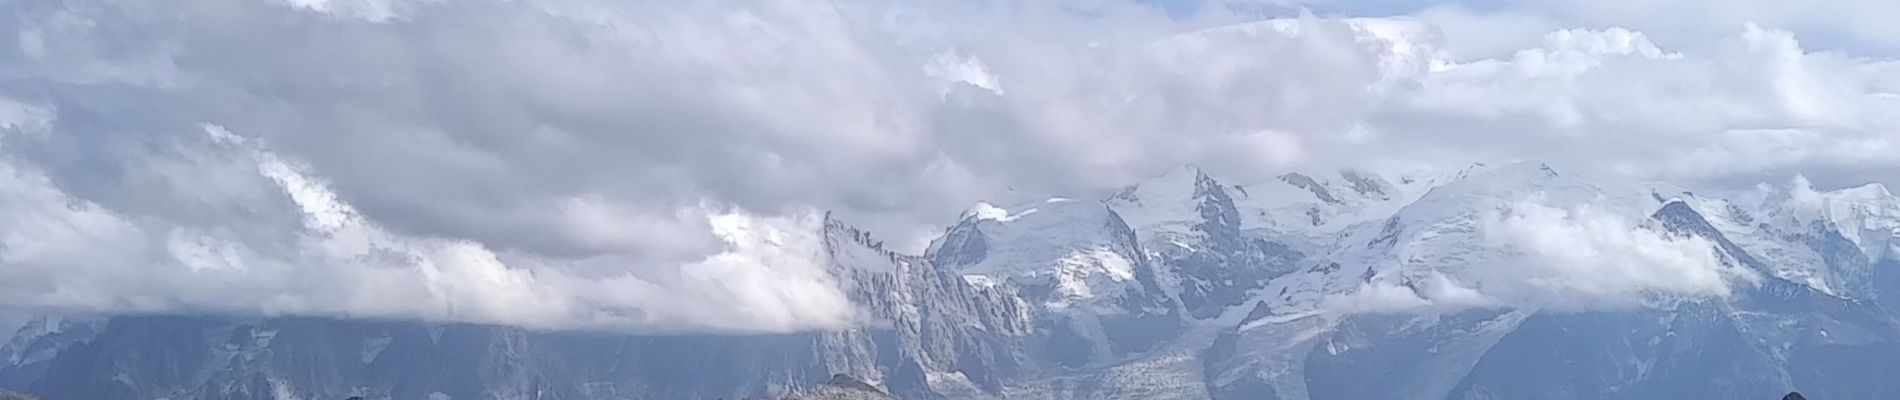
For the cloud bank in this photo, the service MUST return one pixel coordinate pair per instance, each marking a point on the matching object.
(1582, 258)
(73, 255)
(1537, 253)
(649, 167)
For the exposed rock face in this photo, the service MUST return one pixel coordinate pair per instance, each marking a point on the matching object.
(1077, 264)
(1191, 225)
(33, 348)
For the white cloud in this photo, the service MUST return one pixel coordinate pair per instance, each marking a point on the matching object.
(367, 10)
(1588, 258)
(1756, 103)
(72, 256)
(1435, 293)
(511, 142)
(956, 69)
(1840, 24)
(1539, 253)
(18, 118)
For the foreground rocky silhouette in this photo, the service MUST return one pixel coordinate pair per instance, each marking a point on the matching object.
(844, 387)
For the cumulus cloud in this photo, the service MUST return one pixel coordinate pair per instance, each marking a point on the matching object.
(1757, 103)
(1851, 24)
(1537, 253)
(70, 255)
(1480, 28)
(1588, 258)
(562, 151)
(1435, 293)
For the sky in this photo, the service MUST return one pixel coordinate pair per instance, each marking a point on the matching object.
(657, 167)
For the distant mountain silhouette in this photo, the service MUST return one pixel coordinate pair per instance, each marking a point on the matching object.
(1793, 396)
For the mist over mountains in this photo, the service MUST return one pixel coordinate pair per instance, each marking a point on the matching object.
(1492, 281)
(1074, 199)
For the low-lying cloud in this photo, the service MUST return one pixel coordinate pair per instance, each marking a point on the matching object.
(1585, 257)
(1530, 253)
(69, 255)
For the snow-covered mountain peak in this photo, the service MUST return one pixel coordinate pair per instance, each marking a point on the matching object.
(1452, 240)
(1818, 239)
(1367, 184)
(1075, 261)
(853, 248)
(1302, 209)
(1867, 215)
(1868, 192)
(1678, 216)
(1452, 216)
(1169, 205)
(1770, 219)
(1307, 208)
(1309, 204)
(1077, 249)
(985, 211)
(1032, 234)
(1448, 218)
(1496, 189)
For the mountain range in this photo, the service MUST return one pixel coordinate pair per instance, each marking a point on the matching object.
(1512, 281)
